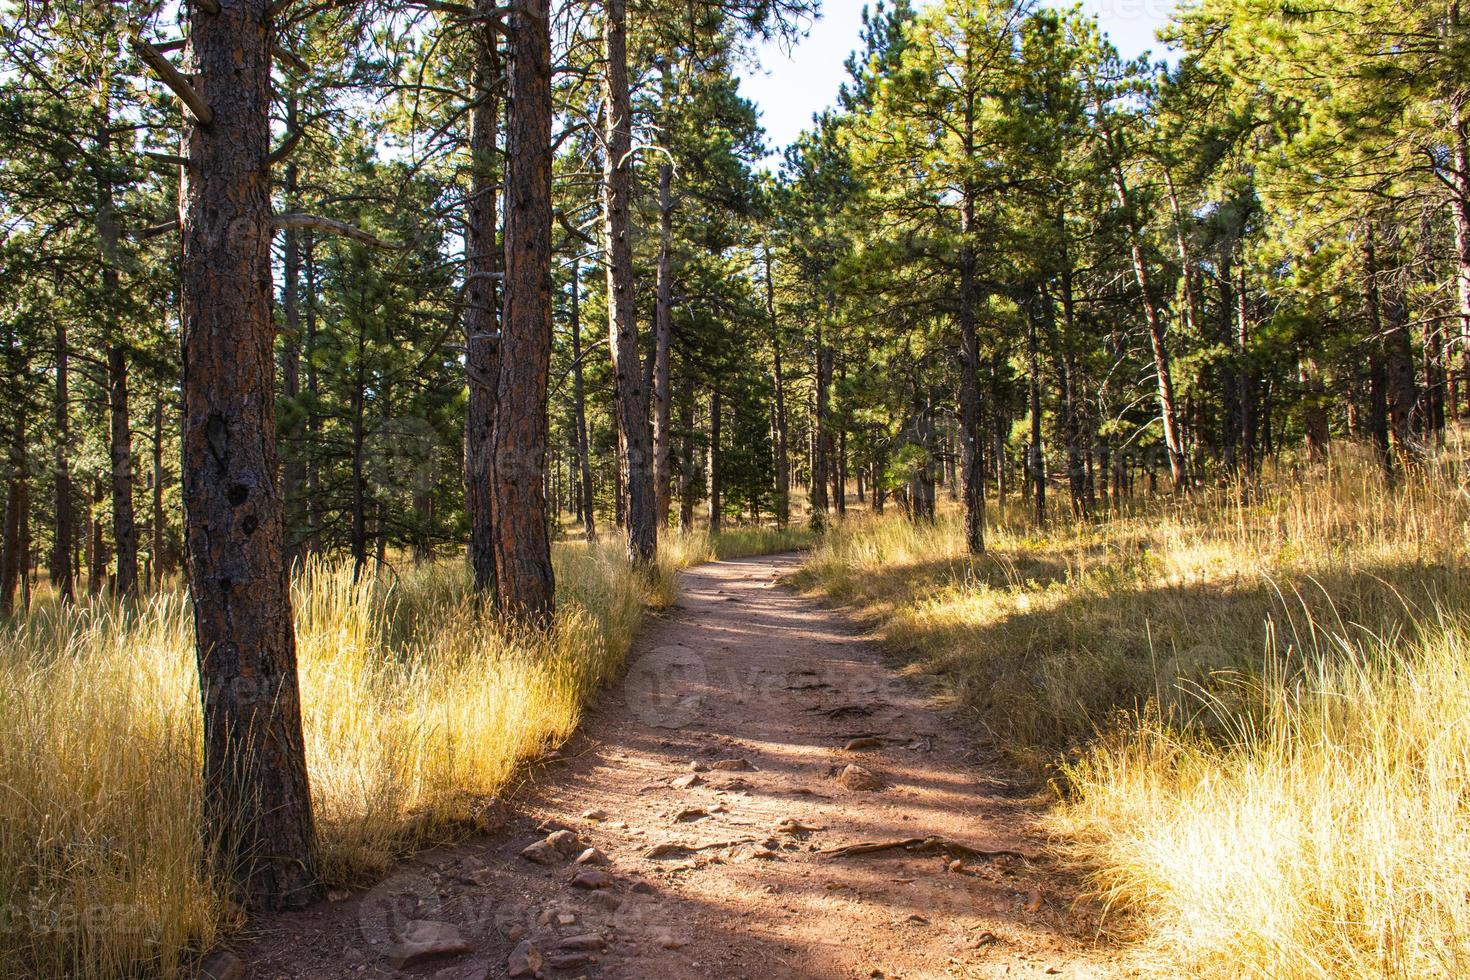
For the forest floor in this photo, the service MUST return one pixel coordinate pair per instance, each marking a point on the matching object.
(713, 782)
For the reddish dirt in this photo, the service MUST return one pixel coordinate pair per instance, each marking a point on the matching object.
(740, 670)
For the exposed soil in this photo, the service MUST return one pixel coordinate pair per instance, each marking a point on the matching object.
(707, 876)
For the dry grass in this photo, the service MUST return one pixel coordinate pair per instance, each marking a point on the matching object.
(1266, 699)
(416, 704)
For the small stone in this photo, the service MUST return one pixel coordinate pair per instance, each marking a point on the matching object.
(583, 943)
(338, 895)
(644, 888)
(541, 853)
(516, 933)
(592, 856)
(525, 960)
(592, 880)
(566, 842)
(956, 865)
(865, 742)
(733, 765)
(222, 965)
(668, 940)
(566, 919)
(425, 939)
(550, 826)
(856, 778)
(691, 814)
(697, 766)
(687, 782)
(594, 815)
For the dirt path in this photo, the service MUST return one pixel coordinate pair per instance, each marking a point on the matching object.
(706, 877)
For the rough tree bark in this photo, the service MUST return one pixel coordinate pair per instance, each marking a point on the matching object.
(524, 580)
(257, 802)
(482, 310)
(629, 391)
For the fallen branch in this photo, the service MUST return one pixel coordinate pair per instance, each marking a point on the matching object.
(173, 78)
(923, 845)
(331, 226)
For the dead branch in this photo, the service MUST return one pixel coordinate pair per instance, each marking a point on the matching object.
(172, 77)
(290, 58)
(330, 226)
(167, 159)
(287, 145)
(143, 234)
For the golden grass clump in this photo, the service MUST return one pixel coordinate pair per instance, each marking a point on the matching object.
(1260, 698)
(416, 704)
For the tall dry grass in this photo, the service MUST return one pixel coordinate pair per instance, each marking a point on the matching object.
(1261, 703)
(417, 703)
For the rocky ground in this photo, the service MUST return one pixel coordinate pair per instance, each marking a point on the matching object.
(703, 825)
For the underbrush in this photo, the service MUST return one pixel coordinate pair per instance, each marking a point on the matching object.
(417, 706)
(1258, 698)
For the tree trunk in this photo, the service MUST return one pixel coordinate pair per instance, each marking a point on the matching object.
(1036, 461)
(524, 578)
(257, 802)
(686, 453)
(161, 566)
(782, 503)
(1152, 314)
(632, 400)
(972, 458)
(716, 506)
(821, 433)
(62, 569)
(12, 549)
(1460, 206)
(579, 408)
(294, 472)
(481, 313)
(662, 334)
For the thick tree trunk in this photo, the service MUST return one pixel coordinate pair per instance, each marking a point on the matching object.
(782, 502)
(663, 315)
(62, 569)
(482, 309)
(96, 542)
(632, 398)
(579, 409)
(1230, 415)
(257, 802)
(524, 578)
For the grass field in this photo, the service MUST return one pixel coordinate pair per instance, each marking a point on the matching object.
(1256, 706)
(418, 705)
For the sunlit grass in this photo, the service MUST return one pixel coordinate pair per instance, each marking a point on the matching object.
(1260, 700)
(418, 705)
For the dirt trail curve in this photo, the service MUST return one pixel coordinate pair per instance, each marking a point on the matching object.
(711, 778)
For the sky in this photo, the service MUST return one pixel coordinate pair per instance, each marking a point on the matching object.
(794, 84)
